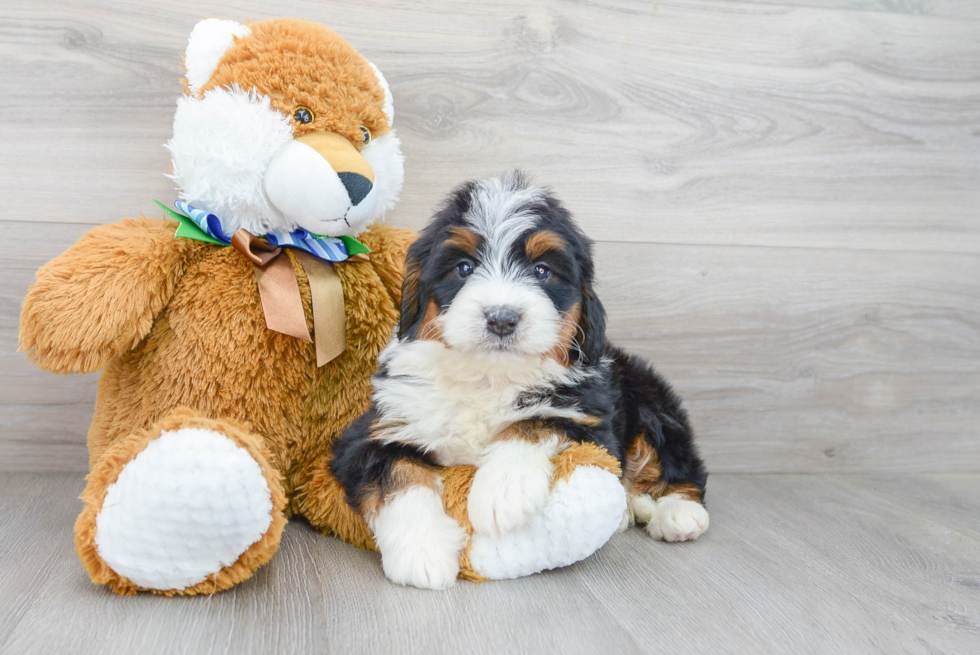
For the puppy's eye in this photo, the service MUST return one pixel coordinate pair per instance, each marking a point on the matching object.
(303, 115)
(366, 134)
(464, 269)
(542, 272)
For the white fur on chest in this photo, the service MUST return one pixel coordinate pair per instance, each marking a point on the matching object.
(452, 403)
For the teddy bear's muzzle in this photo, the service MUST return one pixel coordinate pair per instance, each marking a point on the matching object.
(321, 182)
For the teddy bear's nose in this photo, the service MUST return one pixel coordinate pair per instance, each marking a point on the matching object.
(357, 186)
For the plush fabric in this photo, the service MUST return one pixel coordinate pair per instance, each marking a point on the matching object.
(106, 473)
(207, 423)
(179, 324)
(332, 79)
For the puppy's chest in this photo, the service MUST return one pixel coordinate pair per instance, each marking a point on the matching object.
(455, 421)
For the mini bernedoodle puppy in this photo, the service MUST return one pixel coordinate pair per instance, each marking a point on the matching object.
(500, 361)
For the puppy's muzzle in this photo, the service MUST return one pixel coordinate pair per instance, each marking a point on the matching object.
(502, 320)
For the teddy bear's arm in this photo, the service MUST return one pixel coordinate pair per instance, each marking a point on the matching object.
(389, 246)
(100, 297)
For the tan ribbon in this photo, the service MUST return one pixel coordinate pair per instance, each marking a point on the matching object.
(260, 251)
(329, 325)
(281, 300)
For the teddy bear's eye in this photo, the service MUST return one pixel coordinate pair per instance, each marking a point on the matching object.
(303, 115)
(366, 133)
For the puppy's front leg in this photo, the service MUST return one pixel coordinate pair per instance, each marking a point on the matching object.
(418, 541)
(513, 479)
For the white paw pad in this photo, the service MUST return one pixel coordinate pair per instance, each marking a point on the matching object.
(185, 507)
(418, 541)
(509, 490)
(678, 519)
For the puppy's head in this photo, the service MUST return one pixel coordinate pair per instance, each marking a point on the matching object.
(502, 270)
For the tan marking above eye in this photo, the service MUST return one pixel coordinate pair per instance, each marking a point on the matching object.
(466, 240)
(541, 242)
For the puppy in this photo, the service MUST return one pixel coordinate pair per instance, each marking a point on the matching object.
(500, 361)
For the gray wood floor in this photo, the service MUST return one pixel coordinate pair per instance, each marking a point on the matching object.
(784, 192)
(791, 564)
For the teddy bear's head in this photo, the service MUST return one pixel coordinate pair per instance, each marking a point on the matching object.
(283, 125)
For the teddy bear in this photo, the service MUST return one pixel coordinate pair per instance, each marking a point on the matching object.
(237, 334)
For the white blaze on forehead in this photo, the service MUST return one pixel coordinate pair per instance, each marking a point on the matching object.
(499, 211)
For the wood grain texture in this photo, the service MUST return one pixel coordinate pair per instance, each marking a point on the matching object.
(784, 193)
(946, 8)
(792, 563)
(693, 122)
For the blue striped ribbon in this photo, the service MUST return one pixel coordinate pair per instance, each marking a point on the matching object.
(208, 223)
(330, 249)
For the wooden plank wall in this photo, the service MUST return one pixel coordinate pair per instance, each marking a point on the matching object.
(785, 194)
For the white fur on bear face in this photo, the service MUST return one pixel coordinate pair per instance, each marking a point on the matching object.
(301, 184)
(220, 150)
(305, 188)
(234, 156)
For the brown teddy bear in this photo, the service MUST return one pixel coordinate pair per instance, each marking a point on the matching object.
(233, 358)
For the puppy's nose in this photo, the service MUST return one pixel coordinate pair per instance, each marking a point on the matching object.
(357, 186)
(502, 320)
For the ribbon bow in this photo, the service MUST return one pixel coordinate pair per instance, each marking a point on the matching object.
(278, 288)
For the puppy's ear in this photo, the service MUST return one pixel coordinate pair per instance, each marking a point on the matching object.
(592, 321)
(413, 298)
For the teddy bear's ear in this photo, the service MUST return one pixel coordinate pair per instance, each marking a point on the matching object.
(209, 40)
(389, 108)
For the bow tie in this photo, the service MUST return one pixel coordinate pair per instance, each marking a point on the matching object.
(278, 287)
(204, 226)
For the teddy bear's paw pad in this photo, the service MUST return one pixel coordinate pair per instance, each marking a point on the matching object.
(581, 514)
(678, 519)
(185, 507)
(419, 542)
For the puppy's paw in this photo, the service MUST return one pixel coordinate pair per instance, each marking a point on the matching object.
(510, 488)
(678, 519)
(419, 542)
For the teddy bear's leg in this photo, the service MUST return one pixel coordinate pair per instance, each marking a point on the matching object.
(585, 508)
(190, 505)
